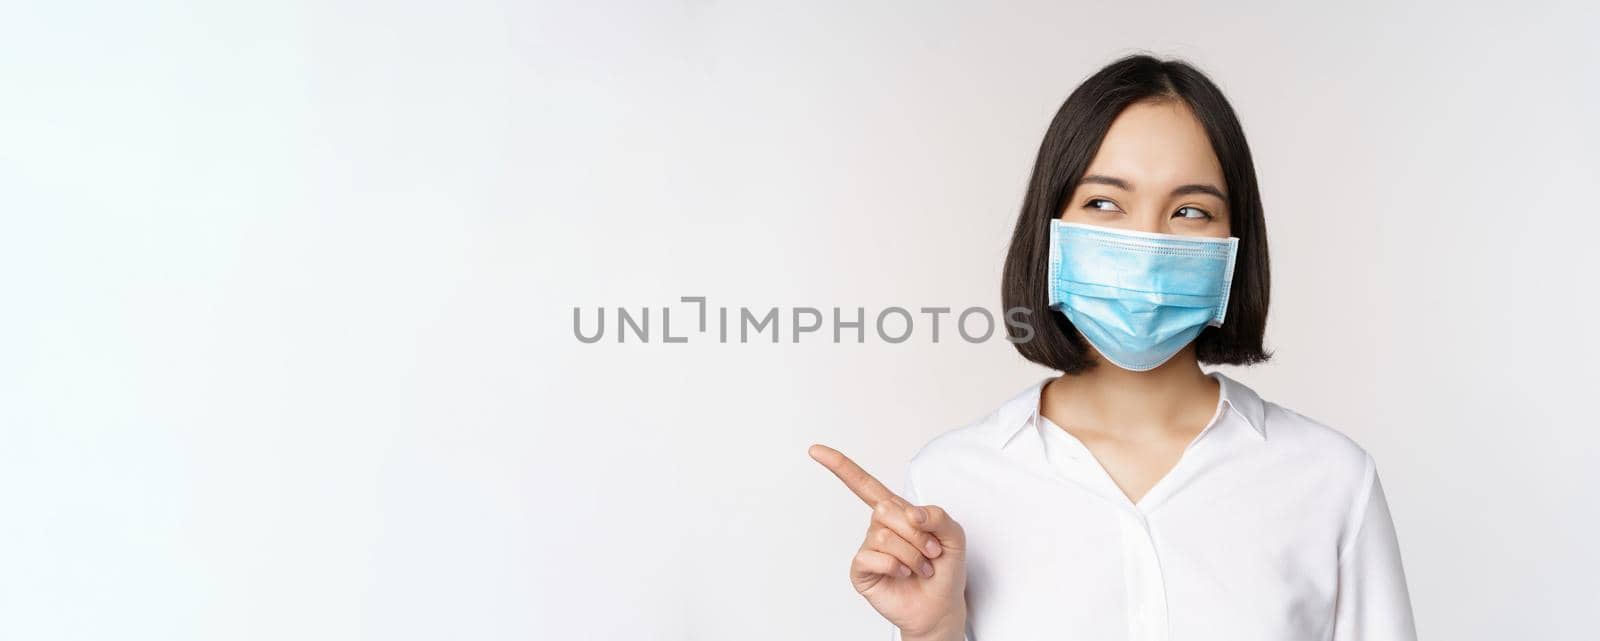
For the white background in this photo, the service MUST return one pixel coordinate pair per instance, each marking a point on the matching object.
(286, 297)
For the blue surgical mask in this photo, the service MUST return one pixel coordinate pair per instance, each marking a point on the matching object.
(1138, 297)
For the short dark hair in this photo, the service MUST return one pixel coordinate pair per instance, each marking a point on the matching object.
(1070, 145)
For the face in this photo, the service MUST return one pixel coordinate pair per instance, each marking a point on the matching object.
(1155, 172)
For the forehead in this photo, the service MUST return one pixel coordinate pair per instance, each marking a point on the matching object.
(1156, 144)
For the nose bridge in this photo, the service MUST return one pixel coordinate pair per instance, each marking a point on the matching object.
(1148, 217)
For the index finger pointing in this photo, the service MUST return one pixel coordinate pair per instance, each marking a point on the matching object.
(858, 480)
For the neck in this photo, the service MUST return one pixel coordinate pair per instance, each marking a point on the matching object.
(1109, 398)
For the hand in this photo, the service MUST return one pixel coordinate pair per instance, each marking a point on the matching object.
(912, 566)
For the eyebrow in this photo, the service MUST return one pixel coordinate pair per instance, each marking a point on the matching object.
(1181, 190)
(1107, 180)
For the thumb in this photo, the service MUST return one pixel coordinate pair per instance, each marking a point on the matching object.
(934, 520)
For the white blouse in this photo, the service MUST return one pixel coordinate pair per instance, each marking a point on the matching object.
(1270, 527)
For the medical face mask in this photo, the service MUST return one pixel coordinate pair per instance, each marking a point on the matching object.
(1138, 297)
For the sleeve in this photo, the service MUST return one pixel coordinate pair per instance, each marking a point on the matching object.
(1373, 603)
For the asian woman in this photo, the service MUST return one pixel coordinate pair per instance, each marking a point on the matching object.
(1136, 496)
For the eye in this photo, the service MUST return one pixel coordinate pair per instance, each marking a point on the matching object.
(1101, 204)
(1192, 213)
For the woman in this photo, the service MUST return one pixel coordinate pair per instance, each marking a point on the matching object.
(1136, 497)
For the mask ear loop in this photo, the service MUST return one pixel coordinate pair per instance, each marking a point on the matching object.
(1227, 284)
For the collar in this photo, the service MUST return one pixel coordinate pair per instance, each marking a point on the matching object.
(1023, 409)
(1244, 402)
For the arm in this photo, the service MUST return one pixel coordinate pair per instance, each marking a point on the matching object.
(1373, 604)
(957, 630)
(911, 567)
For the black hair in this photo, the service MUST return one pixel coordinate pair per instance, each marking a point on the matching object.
(1069, 146)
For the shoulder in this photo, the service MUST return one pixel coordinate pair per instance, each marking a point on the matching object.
(1296, 434)
(1321, 460)
(1292, 437)
(1317, 464)
(977, 443)
(958, 444)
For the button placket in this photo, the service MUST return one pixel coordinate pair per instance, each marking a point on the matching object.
(1145, 586)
